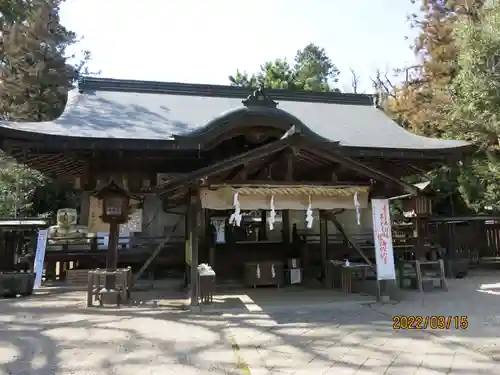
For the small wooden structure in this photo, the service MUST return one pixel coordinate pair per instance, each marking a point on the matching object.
(96, 290)
(206, 284)
(115, 210)
(417, 210)
(187, 149)
(421, 261)
(17, 238)
(420, 274)
(348, 278)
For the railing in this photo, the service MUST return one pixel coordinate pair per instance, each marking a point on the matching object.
(130, 243)
(473, 237)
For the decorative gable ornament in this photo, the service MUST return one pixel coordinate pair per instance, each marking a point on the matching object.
(259, 99)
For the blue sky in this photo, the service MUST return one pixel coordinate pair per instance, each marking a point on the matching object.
(205, 41)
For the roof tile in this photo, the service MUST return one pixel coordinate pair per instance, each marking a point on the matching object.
(124, 109)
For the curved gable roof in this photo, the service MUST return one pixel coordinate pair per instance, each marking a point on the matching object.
(137, 110)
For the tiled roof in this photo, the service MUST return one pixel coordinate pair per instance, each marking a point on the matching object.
(124, 109)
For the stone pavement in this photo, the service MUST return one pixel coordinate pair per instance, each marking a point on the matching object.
(55, 334)
(348, 341)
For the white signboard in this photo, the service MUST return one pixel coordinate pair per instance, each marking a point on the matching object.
(382, 232)
(41, 245)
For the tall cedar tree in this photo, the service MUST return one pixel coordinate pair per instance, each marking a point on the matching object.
(419, 103)
(35, 78)
(312, 70)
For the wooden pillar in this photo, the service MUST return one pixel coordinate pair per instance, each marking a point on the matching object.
(83, 217)
(194, 213)
(285, 215)
(323, 242)
(187, 247)
(3, 251)
(112, 255)
(211, 240)
(263, 226)
(420, 238)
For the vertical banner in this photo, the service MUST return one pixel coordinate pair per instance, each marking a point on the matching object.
(41, 245)
(382, 232)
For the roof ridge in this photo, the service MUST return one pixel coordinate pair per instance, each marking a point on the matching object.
(87, 84)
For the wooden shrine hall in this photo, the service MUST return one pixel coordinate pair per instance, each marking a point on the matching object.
(225, 176)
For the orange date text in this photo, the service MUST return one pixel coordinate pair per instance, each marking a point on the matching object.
(458, 322)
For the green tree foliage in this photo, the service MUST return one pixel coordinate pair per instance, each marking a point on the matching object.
(26, 192)
(17, 186)
(14, 11)
(312, 70)
(35, 78)
(474, 111)
(420, 102)
(423, 104)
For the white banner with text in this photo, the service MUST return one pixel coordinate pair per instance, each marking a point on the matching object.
(382, 232)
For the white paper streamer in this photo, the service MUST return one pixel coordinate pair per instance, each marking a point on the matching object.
(272, 214)
(257, 274)
(236, 216)
(309, 215)
(273, 272)
(357, 206)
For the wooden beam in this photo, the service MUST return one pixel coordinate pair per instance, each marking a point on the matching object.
(321, 150)
(266, 163)
(156, 251)
(330, 216)
(313, 159)
(246, 157)
(235, 172)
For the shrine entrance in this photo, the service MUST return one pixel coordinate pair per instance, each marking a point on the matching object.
(258, 234)
(260, 210)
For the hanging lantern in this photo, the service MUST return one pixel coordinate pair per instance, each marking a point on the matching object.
(115, 203)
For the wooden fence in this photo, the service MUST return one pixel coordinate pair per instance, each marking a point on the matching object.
(473, 237)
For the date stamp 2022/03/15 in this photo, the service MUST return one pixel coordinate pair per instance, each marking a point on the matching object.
(458, 322)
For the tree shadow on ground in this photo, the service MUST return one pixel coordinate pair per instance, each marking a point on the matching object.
(55, 333)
